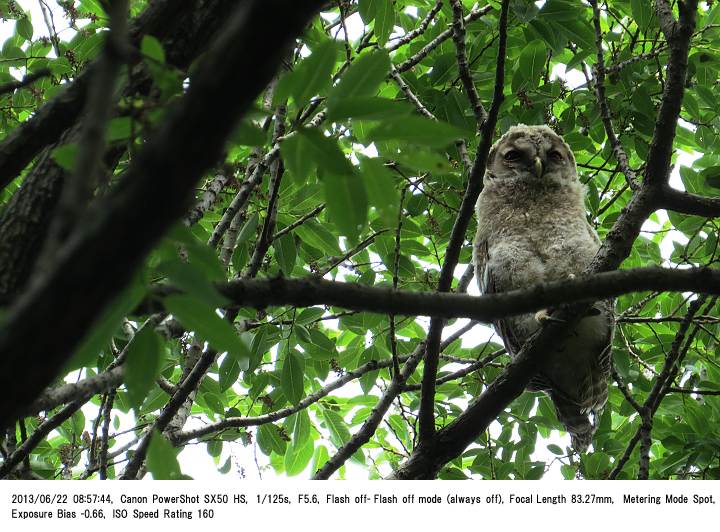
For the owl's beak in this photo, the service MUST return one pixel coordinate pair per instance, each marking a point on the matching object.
(538, 167)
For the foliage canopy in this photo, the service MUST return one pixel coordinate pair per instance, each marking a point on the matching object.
(352, 165)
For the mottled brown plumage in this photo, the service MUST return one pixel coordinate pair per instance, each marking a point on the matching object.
(532, 228)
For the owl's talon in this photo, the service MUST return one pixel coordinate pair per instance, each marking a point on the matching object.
(542, 316)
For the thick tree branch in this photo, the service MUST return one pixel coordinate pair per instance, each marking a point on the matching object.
(678, 35)
(162, 174)
(687, 203)
(426, 415)
(78, 189)
(311, 291)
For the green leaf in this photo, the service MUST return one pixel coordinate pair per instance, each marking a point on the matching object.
(248, 134)
(314, 74)
(347, 203)
(309, 315)
(299, 426)
(298, 457)
(65, 156)
(200, 255)
(384, 20)
(25, 28)
(249, 229)
(362, 79)
(368, 9)
(318, 346)
(285, 253)
(325, 152)
(151, 48)
(143, 363)
(531, 63)
(524, 10)
(291, 379)
(317, 236)
(269, 440)
(711, 176)
(559, 10)
(418, 130)
(296, 157)
(225, 468)
(90, 46)
(555, 449)
(381, 190)
(642, 13)
(339, 433)
(568, 472)
(192, 280)
(202, 319)
(119, 129)
(93, 7)
(162, 459)
(367, 108)
(231, 367)
(705, 137)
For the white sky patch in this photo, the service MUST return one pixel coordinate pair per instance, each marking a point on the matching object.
(573, 78)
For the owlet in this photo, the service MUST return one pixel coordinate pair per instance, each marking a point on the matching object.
(532, 228)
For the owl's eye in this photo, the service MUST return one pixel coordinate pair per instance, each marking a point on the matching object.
(556, 156)
(512, 155)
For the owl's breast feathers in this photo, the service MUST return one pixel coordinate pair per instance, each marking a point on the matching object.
(530, 233)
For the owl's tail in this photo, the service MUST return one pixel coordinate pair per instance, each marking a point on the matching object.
(576, 422)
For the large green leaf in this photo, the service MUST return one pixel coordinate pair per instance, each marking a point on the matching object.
(313, 75)
(362, 79)
(347, 203)
(142, 365)
(162, 459)
(291, 378)
(418, 130)
(532, 62)
(384, 20)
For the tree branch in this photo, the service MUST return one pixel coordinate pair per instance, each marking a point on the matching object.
(311, 291)
(441, 38)
(605, 114)
(686, 203)
(678, 35)
(457, 237)
(27, 80)
(462, 62)
(422, 27)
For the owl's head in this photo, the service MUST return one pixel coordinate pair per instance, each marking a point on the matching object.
(533, 153)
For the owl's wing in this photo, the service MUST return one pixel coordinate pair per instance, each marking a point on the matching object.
(595, 382)
(593, 234)
(489, 284)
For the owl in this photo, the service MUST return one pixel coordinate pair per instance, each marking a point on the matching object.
(532, 228)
